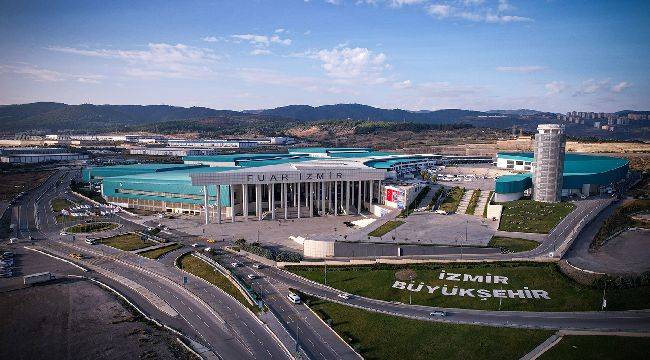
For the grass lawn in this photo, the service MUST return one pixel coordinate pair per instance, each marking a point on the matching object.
(512, 245)
(471, 206)
(450, 204)
(388, 226)
(61, 204)
(487, 203)
(127, 242)
(565, 295)
(379, 336)
(599, 347)
(532, 216)
(91, 227)
(200, 268)
(156, 253)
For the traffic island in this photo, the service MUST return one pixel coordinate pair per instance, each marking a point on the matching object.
(512, 286)
(127, 242)
(512, 245)
(380, 336)
(530, 216)
(92, 227)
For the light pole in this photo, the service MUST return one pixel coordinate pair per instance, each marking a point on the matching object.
(325, 273)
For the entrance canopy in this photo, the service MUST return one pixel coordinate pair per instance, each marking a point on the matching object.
(311, 171)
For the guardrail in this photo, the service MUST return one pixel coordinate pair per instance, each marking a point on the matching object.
(250, 297)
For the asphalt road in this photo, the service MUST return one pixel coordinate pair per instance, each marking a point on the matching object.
(199, 310)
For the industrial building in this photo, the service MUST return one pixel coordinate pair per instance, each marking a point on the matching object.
(171, 151)
(304, 182)
(581, 175)
(38, 155)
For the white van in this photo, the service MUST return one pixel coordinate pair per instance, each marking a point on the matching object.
(294, 298)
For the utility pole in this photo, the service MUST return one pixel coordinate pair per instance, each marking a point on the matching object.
(325, 273)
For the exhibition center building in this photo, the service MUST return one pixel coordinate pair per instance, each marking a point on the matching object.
(304, 182)
(581, 175)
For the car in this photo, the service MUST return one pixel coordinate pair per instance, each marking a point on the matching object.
(91, 241)
(77, 256)
(235, 264)
(440, 212)
(63, 233)
(438, 313)
(345, 296)
(252, 276)
(294, 298)
(195, 245)
(207, 249)
(13, 240)
(211, 241)
(257, 266)
(7, 254)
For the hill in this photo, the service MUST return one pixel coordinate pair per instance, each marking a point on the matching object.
(365, 112)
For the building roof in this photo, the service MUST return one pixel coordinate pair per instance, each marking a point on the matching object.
(316, 150)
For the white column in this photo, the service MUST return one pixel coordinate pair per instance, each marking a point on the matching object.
(336, 198)
(205, 204)
(311, 199)
(284, 200)
(293, 190)
(244, 189)
(218, 204)
(258, 201)
(298, 198)
(232, 202)
(359, 199)
(372, 183)
(322, 194)
(347, 198)
(272, 199)
(380, 194)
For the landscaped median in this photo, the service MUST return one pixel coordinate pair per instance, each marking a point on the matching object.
(580, 347)
(127, 242)
(512, 245)
(471, 207)
(156, 253)
(380, 336)
(92, 227)
(59, 204)
(386, 227)
(452, 199)
(515, 286)
(205, 271)
(532, 216)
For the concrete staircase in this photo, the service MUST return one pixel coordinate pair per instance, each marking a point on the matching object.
(482, 200)
(464, 202)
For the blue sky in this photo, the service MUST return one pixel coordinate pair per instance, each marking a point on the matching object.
(553, 55)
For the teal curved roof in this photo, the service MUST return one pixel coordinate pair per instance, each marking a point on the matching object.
(579, 169)
(386, 163)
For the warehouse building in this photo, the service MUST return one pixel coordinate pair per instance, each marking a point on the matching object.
(38, 155)
(581, 175)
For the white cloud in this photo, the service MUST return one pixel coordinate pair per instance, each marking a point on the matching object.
(344, 62)
(279, 30)
(473, 10)
(158, 60)
(46, 75)
(260, 52)
(592, 86)
(210, 39)
(439, 10)
(306, 33)
(406, 84)
(262, 40)
(400, 3)
(521, 69)
(621, 86)
(555, 87)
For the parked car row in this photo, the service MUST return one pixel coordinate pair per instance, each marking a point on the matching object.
(7, 264)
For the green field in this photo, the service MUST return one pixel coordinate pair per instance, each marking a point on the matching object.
(512, 245)
(599, 347)
(61, 204)
(454, 195)
(127, 242)
(156, 253)
(92, 227)
(471, 206)
(200, 268)
(388, 226)
(487, 203)
(379, 336)
(532, 216)
(565, 295)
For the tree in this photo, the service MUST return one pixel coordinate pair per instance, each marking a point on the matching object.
(405, 275)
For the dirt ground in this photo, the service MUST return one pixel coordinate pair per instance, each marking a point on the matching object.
(75, 319)
(11, 183)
